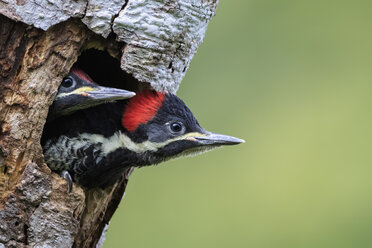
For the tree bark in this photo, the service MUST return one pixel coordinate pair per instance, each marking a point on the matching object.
(153, 41)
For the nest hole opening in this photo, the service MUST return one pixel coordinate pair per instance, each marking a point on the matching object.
(105, 70)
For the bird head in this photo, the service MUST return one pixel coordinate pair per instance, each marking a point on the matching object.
(162, 125)
(78, 91)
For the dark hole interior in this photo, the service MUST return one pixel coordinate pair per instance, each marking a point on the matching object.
(105, 70)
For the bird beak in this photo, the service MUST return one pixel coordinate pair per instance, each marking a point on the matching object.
(85, 97)
(106, 94)
(215, 139)
(199, 142)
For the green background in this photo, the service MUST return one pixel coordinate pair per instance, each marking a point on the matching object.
(292, 78)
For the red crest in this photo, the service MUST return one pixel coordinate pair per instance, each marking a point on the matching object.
(81, 74)
(141, 108)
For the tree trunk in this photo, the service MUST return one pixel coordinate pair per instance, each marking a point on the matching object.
(151, 43)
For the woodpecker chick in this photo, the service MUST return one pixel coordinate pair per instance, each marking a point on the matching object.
(97, 144)
(78, 91)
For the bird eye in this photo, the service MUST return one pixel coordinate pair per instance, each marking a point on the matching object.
(67, 82)
(176, 127)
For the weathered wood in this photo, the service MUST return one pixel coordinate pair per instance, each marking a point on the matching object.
(36, 208)
(162, 36)
(38, 45)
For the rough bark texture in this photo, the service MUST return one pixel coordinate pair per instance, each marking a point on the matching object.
(39, 42)
(161, 36)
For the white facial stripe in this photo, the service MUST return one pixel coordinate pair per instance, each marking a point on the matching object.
(77, 91)
(119, 139)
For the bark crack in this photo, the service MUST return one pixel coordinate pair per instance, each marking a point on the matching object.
(178, 48)
(85, 9)
(25, 232)
(116, 15)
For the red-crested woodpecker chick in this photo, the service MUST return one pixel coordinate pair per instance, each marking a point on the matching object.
(96, 145)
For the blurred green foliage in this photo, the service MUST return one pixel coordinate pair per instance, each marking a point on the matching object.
(294, 79)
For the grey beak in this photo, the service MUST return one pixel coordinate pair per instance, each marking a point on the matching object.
(216, 139)
(85, 97)
(108, 94)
